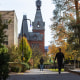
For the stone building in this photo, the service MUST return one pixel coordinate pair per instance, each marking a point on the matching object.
(12, 27)
(36, 37)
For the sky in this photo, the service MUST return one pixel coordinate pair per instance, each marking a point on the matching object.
(28, 7)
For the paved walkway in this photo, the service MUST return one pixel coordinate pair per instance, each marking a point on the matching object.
(36, 74)
(76, 70)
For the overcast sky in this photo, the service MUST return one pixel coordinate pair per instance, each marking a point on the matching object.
(28, 7)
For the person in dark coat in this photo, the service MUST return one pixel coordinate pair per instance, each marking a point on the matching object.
(59, 56)
(41, 63)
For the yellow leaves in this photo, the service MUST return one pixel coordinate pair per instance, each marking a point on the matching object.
(53, 50)
(60, 27)
(60, 33)
(71, 16)
(75, 51)
(26, 49)
(25, 40)
(23, 58)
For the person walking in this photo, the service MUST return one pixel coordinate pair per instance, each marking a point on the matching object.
(59, 56)
(41, 63)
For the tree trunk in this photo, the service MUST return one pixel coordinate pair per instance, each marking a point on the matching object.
(77, 15)
(77, 11)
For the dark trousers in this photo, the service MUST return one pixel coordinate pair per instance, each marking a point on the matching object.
(59, 67)
(41, 67)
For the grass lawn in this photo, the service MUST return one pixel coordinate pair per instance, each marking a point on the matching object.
(56, 70)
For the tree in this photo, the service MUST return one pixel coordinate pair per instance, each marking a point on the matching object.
(27, 52)
(74, 27)
(64, 12)
(60, 34)
(58, 27)
(53, 49)
(2, 32)
(4, 57)
(67, 14)
(36, 55)
(4, 66)
(14, 55)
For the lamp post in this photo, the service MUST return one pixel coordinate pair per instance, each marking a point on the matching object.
(22, 36)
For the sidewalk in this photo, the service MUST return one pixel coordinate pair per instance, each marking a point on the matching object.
(46, 71)
(77, 71)
(14, 73)
(36, 74)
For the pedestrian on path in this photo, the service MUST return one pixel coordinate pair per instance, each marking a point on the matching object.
(41, 63)
(59, 56)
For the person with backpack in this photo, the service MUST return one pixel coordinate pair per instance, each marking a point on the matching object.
(41, 63)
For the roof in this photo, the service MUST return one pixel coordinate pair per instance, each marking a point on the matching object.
(35, 36)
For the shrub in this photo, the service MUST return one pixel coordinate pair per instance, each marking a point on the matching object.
(15, 69)
(25, 67)
(18, 67)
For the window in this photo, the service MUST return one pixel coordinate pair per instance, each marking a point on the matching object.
(6, 42)
(32, 45)
(6, 38)
(35, 38)
(6, 26)
(5, 21)
(35, 45)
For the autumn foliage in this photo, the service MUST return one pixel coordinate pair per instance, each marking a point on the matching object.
(53, 49)
(27, 52)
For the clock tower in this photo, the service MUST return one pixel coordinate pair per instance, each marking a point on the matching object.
(36, 37)
(39, 24)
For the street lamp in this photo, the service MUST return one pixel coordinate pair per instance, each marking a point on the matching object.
(22, 36)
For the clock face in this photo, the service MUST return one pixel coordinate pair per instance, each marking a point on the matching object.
(38, 24)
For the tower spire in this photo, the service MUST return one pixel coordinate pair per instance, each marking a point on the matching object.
(38, 23)
(24, 26)
(38, 4)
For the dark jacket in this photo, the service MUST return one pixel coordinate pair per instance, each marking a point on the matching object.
(41, 61)
(59, 56)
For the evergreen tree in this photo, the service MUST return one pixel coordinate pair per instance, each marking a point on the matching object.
(27, 52)
(4, 57)
(2, 32)
(4, 66)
